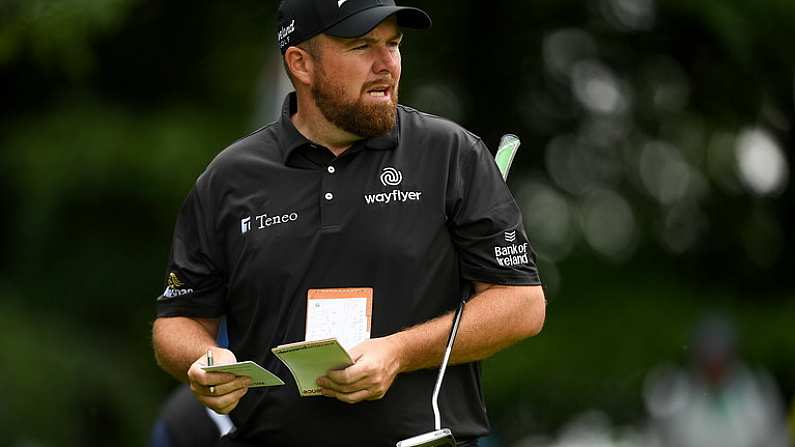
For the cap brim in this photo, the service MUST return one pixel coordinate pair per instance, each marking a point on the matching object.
(363, 22)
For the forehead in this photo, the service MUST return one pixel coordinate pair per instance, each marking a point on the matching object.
(388, 29)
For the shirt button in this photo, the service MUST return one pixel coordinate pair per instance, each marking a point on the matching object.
(331, 170)
(329, 196)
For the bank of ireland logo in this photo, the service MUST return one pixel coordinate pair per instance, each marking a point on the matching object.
(391, 176)
(512, 253)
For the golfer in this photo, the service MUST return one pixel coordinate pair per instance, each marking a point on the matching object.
(355, 215)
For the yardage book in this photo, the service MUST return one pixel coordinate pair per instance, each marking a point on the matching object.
(309, 360)
(259, 375)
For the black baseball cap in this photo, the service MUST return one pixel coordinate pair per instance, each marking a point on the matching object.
(300, 20)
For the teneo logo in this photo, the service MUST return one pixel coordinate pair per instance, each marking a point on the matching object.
(510, 236)
(174, 288)
(264, 221)
(511, 255)
(392, 177)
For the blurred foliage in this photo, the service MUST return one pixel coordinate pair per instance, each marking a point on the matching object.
(635, 116)
(57, 35)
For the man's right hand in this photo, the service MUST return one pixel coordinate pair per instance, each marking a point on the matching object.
(228, 389)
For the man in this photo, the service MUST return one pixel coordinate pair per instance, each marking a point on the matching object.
(348, 191)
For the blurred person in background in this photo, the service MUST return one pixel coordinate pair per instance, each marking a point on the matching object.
(792, 419)
(458, 236)
(718, 401)
(184, 422)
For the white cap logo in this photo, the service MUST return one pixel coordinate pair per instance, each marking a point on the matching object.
(391, 176)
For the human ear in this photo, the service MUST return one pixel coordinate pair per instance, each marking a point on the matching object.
(300, 64)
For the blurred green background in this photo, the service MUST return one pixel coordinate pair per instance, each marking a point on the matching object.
(654, 179)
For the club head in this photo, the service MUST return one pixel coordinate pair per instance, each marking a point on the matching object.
(437, 438)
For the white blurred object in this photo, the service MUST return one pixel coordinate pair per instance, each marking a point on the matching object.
(761, 162)
(222, 421)
(629, 15)
(273, 85)
(549, 220)
(609, 224)
(597, 88)
(565, 47)
(717, 401)
(664, 172)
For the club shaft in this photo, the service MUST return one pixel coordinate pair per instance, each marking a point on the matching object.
(435, 399)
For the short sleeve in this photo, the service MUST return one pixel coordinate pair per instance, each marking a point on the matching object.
(194, 285)
(486, 224)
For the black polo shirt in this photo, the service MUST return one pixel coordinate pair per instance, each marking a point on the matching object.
(416, 215)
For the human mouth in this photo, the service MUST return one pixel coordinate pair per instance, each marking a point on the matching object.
(380, 92)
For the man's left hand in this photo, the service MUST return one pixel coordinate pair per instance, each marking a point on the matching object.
(376, 363)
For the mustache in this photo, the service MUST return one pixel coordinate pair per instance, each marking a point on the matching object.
(386, 82)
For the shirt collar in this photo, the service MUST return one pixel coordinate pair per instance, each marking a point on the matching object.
(291, 139)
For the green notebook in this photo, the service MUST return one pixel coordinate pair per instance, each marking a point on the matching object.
(309, 360)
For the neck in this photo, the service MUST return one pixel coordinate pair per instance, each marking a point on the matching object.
(312, 124)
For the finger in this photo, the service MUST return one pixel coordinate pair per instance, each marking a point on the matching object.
(227, 410)
(220, 389)
(350, 398)
(349, 375)
(208, 379)
(232, 400)
(198, 375)
(325, 382)
(377, 396)
(227, 402)
(228, 387)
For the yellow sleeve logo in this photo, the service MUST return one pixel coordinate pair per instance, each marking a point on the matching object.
(173, 281)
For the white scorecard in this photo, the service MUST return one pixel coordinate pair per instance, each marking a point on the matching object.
(343, 314)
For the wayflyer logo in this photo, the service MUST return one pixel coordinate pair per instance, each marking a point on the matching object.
(392, 177)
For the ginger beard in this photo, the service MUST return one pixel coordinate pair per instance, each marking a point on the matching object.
(356, 117)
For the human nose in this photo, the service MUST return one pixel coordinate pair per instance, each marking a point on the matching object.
(387, 61)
